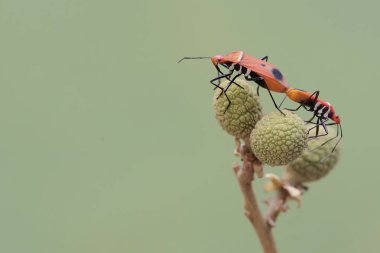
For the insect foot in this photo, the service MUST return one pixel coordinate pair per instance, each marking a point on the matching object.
(244, 109)
(277, 140)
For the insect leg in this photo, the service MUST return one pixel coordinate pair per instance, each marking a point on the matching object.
(219, 73)
(258, 80)
(225, 91)
(341, 136)
(338, 130)
(316, 131)
(294, 110)
(325, 128)
(274, 102)
(339, 127)
(310, 121)
(282, 101)
(320, 122)
(265, 58)
(218, 78)
(232, 81)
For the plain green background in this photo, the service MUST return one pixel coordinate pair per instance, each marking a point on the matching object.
(108, 145)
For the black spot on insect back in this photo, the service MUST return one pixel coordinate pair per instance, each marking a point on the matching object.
(277, 74)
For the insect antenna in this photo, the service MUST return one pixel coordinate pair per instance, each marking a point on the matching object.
(192, 58)
(341, 136)
(339, 129)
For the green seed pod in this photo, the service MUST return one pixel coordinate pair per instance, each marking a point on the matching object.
(315, 162)
(278, 139)
(244, 111)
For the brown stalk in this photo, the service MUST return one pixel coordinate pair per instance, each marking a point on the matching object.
(245, 176)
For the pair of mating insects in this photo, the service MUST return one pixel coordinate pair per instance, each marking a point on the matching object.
(267, 76)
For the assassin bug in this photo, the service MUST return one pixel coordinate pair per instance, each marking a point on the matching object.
(260, 71)
(323, 111)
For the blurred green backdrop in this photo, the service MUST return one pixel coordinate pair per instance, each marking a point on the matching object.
(108, 145)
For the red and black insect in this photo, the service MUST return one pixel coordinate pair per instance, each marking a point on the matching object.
(266, 75)
(260, 71)
(322, 110)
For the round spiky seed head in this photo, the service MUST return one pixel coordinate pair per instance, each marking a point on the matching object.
(243, 112)
(315, 162)
(279, 139)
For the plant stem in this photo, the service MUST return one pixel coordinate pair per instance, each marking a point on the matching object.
(245, 175)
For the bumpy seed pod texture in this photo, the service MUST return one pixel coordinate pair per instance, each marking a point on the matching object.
(243, 112)
(315, 162)
(279, 139)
